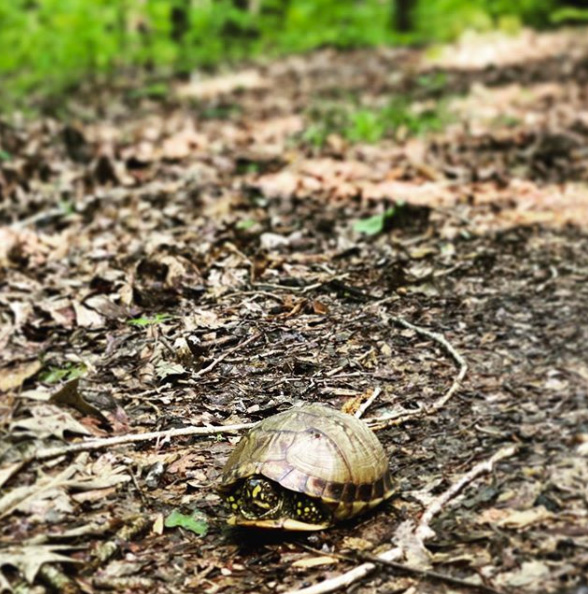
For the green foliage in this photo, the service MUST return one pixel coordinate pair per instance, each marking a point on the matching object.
(245, 224)
(443, 20)
(365, 126)
(68, 372)
(400, 117)
(375, 224)
(312, 23)
(146, 321)
(197, 522)
(569, 15)
(49, 46)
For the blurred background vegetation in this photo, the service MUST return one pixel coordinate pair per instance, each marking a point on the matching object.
(49, 47)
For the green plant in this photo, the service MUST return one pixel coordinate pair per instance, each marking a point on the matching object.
(375, 224)
(69, 371)
(400, 116)
(569, 15)
(149, 321)
(416, 118)
(365, 126)
(196, 522)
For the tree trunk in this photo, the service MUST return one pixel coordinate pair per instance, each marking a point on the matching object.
(403, 15)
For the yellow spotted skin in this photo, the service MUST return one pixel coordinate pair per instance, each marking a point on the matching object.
(305, 469)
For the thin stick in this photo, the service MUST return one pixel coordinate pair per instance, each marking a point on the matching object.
(359, 412)
(396, 418)
(423, 530)
(426, 573)
(357, 573)
(99, 444)
(216, 361)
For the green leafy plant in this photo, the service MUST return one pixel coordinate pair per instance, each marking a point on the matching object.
(196, 522)
(569, 15)
(149, 321)
(365, 126)
(68, 372)
(245, 224)
(400, 116)
(48, 47)
(375, 224)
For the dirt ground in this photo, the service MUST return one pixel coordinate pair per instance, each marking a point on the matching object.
(196, 261)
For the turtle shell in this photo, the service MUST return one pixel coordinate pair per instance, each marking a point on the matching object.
(318, 451)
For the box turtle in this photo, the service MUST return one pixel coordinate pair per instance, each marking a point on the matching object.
(304, 469)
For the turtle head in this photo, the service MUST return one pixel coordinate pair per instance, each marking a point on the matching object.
(260, 502)
(256, 498)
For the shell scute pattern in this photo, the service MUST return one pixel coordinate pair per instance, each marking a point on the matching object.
(317, 451)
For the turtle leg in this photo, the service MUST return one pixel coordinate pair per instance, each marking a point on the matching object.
(309, 510)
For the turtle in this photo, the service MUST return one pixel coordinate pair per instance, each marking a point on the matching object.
(305, 469)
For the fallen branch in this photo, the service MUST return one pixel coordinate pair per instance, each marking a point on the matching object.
(422, 531)
(376, 392)
(228, 352)
(399, 417)
(427, 574)
(423, 573)
(99, 444)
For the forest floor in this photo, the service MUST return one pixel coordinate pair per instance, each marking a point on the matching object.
(217, 255)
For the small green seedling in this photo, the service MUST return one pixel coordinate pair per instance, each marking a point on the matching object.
(68, 372)
(375, 224)
(146, 321)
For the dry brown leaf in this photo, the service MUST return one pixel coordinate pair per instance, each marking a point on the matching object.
(48, 421)
(30, 558)
(14, 376)
(530, 575)
(514, 518)
(314, 562)
(87, 318)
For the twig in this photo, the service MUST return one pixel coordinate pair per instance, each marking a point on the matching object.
(426, 573)
(359, 412)
(40, 216)
(99, 444)
(357, 573)
(132, 528)
(395, 418)
(216, 361)
(349, 577)
(423, 530)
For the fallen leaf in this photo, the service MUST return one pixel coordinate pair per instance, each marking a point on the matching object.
(315, 561)
(29, 559)
(13, 377)
(48, 421)
(514, 518)
(87, 318)
(197, 522)
(530, 575)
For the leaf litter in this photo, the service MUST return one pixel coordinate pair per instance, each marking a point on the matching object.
(163, 266)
